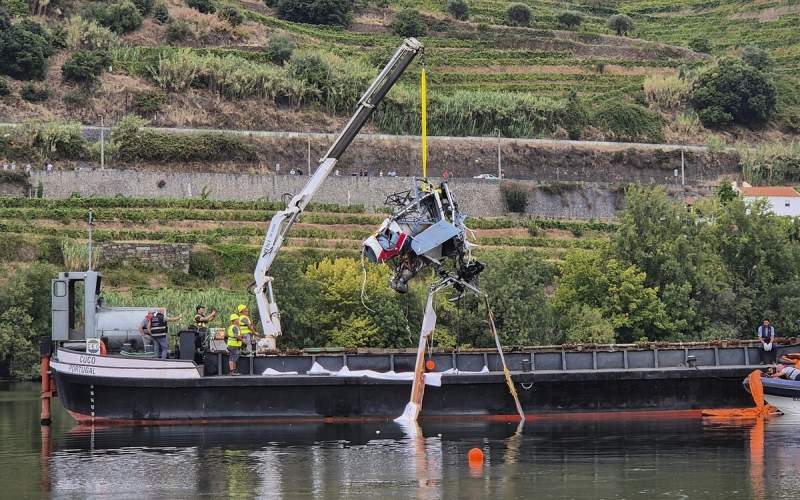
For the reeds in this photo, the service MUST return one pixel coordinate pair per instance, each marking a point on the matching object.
(76, 255)
(771, 163)
(666, 92)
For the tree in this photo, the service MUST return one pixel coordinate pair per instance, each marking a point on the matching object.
(700, 44)
(120, 17)
(733, 92)
(570, 19)
(23, 51)
(144, 6)
(586, 325)
(726, 193)
(232, 15)
(408, 22)
(756, 57)
(161, 12)
(332, 12)
(518, 14)
(621, 24)
(204, 6)
(459, 9)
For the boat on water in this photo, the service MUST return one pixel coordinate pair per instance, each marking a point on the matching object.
(781, 393)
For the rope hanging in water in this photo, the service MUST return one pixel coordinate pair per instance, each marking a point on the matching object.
(423, 90)
(506, 373)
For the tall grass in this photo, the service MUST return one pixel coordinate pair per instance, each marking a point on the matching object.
(84, 34)
(771, 163)
(666, 92)
(76, 255)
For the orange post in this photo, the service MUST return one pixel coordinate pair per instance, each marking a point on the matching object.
(47, 393)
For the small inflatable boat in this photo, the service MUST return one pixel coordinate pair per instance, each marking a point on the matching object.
(781, 393)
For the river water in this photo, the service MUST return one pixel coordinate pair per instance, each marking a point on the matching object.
(621, 458)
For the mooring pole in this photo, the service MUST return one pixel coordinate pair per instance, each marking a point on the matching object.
(46, 350)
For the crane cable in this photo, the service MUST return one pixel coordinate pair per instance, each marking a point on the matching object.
(423, 90)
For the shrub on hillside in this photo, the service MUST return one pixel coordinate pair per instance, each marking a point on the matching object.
(621, 24)
(576, 116)
(271, 3)
(516, 197)
(570, 19)
(85, 67)
(408, 22)
(35, 92)
(626, 122)
(178, 31)
(733, 92)
(279, 49)
(24, 49)
(459, 9)
(310, 68)
(518, 14)
(204, 6)
(120, 17)
(232, 15)
(756, 57)
(666, 92)
(700, 44)
(86, 34)
(586, 325)
(144, 6)
(332, 12)
(147, 103)
(5, 88)
(161, 12)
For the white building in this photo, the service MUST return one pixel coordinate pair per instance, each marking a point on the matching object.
(783, 200)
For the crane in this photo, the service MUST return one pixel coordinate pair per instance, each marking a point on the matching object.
(282, 221)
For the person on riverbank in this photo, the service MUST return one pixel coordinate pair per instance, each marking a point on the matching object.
(766, 350)
(246, 327)
(234, 343)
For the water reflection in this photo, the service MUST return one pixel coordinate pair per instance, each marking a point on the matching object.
(587, 459)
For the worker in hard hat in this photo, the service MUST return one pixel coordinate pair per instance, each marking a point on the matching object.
(234, 343)
(246, 328)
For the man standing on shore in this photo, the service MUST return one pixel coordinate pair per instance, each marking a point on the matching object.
(767, 350)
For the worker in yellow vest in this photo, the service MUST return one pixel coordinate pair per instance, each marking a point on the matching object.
(234, 343)
(246, 327)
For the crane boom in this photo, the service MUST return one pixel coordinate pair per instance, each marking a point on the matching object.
(282, 221)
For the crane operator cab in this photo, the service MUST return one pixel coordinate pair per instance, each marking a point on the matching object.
(425, 229)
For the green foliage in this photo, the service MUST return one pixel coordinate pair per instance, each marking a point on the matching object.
(666, 92)
(331, 12)
(202, 265)
(756, 57)
(144, 6)
(85, 67)
(121, 16)
(204, 6)
(576, 116)
(24, 316)
(231, 14)
(24, 49)
(700, 44)
(147, 103)
(161, 12)
(516, 197)
(82, 34)
(518, 14)
(355, 331)
(5, 88)
(12, 8)
(570, 19)
(35, 92)
(771, 162)
(76, 255)
(279, 49)
(626, 122)
(408, 22)
(459, 9)
(733, 92)
(620, 24)
(586, 325)
(178, 31)
(726, 193)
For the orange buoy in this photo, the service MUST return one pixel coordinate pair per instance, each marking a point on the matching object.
(430, 365)
(475, 456)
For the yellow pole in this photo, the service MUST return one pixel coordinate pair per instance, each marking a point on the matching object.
(423, 89)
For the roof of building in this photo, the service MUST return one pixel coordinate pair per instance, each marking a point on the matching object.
(767, 191)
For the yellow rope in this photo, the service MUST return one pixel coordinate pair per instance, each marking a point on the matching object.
(423, 89)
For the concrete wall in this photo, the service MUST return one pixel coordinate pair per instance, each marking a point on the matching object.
(479, 198)
(155, 255)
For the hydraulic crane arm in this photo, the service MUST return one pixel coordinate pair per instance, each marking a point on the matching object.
(282, 221)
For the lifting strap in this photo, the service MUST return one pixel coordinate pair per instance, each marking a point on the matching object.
(506, 373)
(423, 90)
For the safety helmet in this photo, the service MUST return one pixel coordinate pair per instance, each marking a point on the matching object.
(234, 317)
(241, 307)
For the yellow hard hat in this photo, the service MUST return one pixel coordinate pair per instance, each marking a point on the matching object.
(241, 307)
(234, 317)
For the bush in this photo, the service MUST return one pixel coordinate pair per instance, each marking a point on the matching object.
(161, 12)
(518, 14)
(459, 9)
(120, 17)
(204, 6)
(576, 116)
(332, 12)
(310, 68)
(756, 57)
(85, 67)
(588, 326)
(23, 51)
(621, 24)
(83, 34)
(279, 49)
(202, 265)
(232, 15)
(570, 19)
(5, 88)
(147, 103)
(271, 3)
(516, 197)
(666, 92)
(35, 92)
(408, 22)
(178, 31)
(76, 98)
(626, 122)
(700, 44)
(733, 92)
(144, 6)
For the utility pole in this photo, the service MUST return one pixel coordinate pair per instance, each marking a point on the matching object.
(499, 163)
(91, 225)
(309, 156)
(102, 145)
(683, 170)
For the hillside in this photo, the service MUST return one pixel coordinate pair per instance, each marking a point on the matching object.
(199, 70)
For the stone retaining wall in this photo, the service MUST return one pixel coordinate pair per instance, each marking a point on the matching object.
(156, 255)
